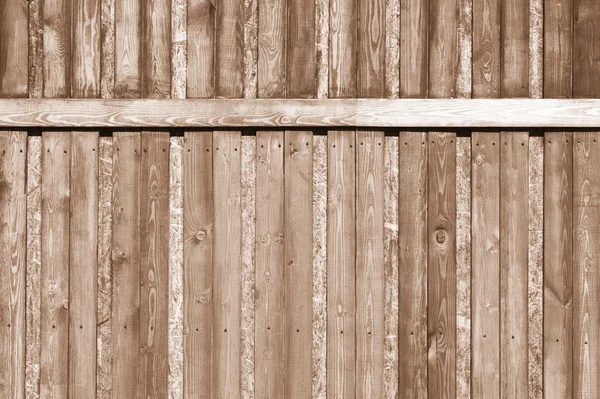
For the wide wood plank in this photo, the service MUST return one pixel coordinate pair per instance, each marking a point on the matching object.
(57, 48)
(441, 265)
(586, 40)
(128, 33)
(370, 283)
(558, 271)
(414, 44)
(86, 51)
(371, 48)
(301, 64)
(227, 284)
(200, 49)
(558, 48)
(514, 251)
(272, 36)
(14, 54)
(126, 262)
(154, 268)
(486, 48)
(157, 49)
(342, 48)
(54, 328)
(341, 264)
(13, 251)
(442, 52)
(412, 268)
(586, 274)
(229, 49)
(514, 48)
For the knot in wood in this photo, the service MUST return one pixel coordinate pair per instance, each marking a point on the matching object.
(440, 236)
(279, 238)
(479, 160)
(201, 235)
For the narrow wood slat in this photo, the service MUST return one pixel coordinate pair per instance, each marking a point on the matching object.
(441, 265)
(86, 51)
(586, 238)
(200, 49)
(586, 40)
(128, 49)
(157, 49)
(298, 191)
(301, 63)
(412, 268)
(154, 267)
(14, 55)
(371, 48)
(514, 49)
(341, 266)
(197, 264)
(414, 61)
(558, 257)
(514, 250)
(54, 327)
(370, 283)
(485, 277)
(272, 37)
(57, 49)
(13, 251)
(486, 48)
(270, 302)
(342, 49)
(227, 285)
(126, 262)
(442, 52)
(558, 48)
(229, 49)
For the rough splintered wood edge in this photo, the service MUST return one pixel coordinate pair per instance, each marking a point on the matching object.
(34, 254)
(391, 267)
(464, 47)
(322, 47)
(248, 203)
(319, 325)
(104, 347)
(175, 379)
(392, 49)
(536, 48)
(463, 267)
(107, 34)
(536, 265)
(250, 48)
(36, 50)
(179, 16)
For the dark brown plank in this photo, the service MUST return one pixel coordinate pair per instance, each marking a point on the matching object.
(57, 49)
(442, 48)
(558, 47)
(14, 54)
(229, 49)
(157, 48)
(414, 43)
(301, 52)
(342, 48)
(586, 52)
(371, 48)
(200, 49)
(486, 48)
(271, 48)
(514, 48)
(86, 51)
(128, 51)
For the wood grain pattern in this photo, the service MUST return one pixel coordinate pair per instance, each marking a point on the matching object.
(514, 246)
(157, 49)
(107, 32)
(36, 49)
(486, 48)
(342, 49)
(86, 48)
(441, 265)
(54, 328)
(200, 49)
(272, 48)
(83, 266)
(414, 18)
(442, 48)
(301, 63)
(412, 267)
(197, 264)
(558, 257)
(13, 207)
(126, 262)
(14, 54)
(558, 47)
(227, 289)
(586, 39)
(371, 49)
(229, 49)
(586, 298)
(128, 49)
(514, 68)
(57, 49)
(370, 283)
(341, 266)
(154, 265)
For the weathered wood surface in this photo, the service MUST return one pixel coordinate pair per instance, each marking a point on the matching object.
(14, 55)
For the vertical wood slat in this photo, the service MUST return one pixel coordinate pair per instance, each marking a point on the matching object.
(200, 49)
(83, 266)
(128, 51)
(227, 287)
(156, 42)
(54, 329)
(342, 49)
(229, 49)
(57, 49)
(486, 49)
(341, 266)
(371, 44)
(301, 68)
(441, 265)
(14, 54)
(126, 263)
(412, 269)
(414, 48)
(586, 235)
(514, 48)
(154, 267)
(13, 207)
(272, 40)
(442, 54)
(585, 42)
(86, 52)
(197, 264)
(298, 164)
(370, 284)
(558, 48)
(514, 246)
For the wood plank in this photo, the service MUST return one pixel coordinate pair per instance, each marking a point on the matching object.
(514, 68)
(341, 266)
(157, 49)
(441, 265)
(298, 191)
(371, 49)
(83, 267)
(86, 51)
(197, 264)
(370, 283)
(558, 48)
(486, 48)
(586, 40)
(57, 49)
(154, 267)
(200, 49)
(272, 37)
(227, 285)
(586, 234)
(485, 277)
(412, 268)
(13, 250)
(301, 64)
(229, 49)
(414, 24)
(54, 328)
(442, 48)
(343, 49)
(514, 251)
(14, 54)
(107, 68)
(126, 261)
(128, 51)
(558, 257)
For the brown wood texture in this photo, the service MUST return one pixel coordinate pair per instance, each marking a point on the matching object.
(201, 49)
(558, 47)
(272, 35)
(128, 49)
(412, 267)
(14, 54)
(86, 48)
(13, 207)
(414, 44)
(301, 68)
(229, 49)
(486, 48)
(57, 49)
(371, 49)
(343, 49)
(442, 52)
(586, 40)
(514, 48)
(157, 48)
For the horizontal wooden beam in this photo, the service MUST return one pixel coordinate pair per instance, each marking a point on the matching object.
(218, 113)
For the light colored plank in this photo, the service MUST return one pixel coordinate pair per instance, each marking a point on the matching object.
(536, 49)
(370, 73)
(343, 49)
(229, 48)
(57, 49)
(558, 48)
(301, 63)
(412, 267)
(128, 49)
(442, 51)
(179, 29)
(341, 264)
(36, 49)
(126, 262)
(227, 288)
(107, 68)
(464, 49)
(514, 246)
(414, 15)
(13, 208)
(86, 48)
(487, 46)
(514, 43)
(197, 264)
(14, 56)
(249, 82)
(54, 327)
(157, 48)
(392, 49)
(322, 47)
(272, 35)
(200, 49)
